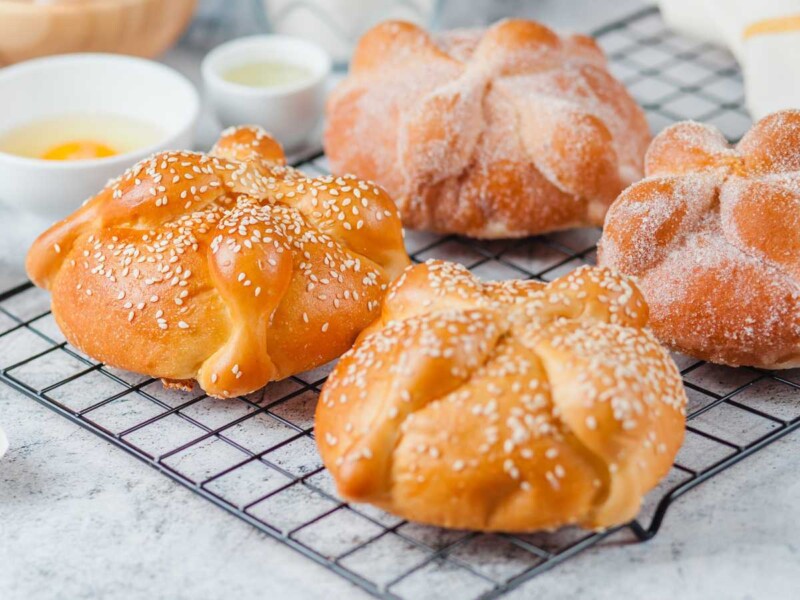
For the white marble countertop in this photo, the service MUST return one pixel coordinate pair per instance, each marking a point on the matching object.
(81, 519)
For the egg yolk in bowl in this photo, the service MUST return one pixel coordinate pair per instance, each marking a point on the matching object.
(79, 150)
(71, 137)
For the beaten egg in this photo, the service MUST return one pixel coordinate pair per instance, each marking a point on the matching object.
(79, 137)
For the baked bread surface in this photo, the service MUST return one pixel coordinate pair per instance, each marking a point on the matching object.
(228, 268)
(504, 132)
(513, 406)
(713, 236)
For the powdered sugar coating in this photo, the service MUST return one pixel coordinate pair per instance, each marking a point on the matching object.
(502, 132)
(714, 236)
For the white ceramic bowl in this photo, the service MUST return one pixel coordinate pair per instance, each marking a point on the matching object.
(87, 83)
(288, 112)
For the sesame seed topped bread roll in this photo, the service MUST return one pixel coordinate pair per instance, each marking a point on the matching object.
(228, 268)
(713, 236)
(504, 132)
(512, 406)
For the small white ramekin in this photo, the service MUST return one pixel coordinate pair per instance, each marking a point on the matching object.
(288, 112)
(87, 83)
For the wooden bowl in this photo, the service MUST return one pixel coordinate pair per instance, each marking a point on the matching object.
(138, 27)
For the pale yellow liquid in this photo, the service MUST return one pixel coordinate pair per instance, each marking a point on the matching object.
(266, 74)
(79, 136)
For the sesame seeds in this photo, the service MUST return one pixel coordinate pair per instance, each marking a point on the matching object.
(159, 271)
(522, 372)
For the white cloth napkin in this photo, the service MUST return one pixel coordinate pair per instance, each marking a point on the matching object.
(763, 35)
(771, 64)
(723, 22)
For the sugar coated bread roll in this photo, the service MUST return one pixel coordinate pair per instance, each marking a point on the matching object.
(228, 268)
(713, 236)
(504, 132)
(512, 406)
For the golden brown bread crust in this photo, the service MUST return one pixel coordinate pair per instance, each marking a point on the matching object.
(512, 406)
(227, 268)
(713, 234)
(506, 132)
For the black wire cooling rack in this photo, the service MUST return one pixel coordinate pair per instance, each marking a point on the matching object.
(255, 456)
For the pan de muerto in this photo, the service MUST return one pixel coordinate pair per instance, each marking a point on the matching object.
(713, 236)
(228, 268)
(504, 132)
(511, 406)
